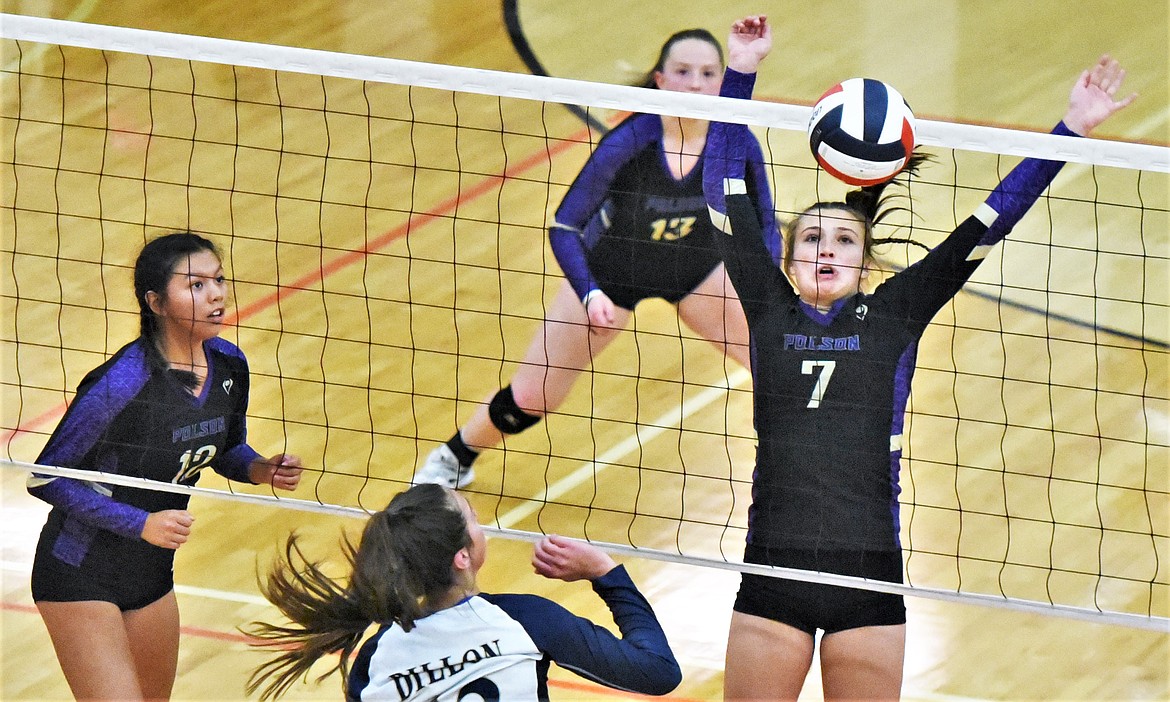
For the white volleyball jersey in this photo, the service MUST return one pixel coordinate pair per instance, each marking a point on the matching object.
(474, 647)
(499, 647)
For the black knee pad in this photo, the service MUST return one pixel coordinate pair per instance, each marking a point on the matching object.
(506, 415)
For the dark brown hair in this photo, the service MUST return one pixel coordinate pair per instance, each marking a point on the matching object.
(152, 272)
(403, 563)
(648, 80)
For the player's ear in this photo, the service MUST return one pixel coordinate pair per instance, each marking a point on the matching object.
(154, 301)
(868, 264)
(462, 560)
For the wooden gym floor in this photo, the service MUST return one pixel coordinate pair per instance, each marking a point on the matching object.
(997, 62)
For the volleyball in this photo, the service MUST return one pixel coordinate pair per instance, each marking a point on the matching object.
(862, 131)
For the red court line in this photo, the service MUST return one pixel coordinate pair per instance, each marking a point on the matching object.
(420, 219)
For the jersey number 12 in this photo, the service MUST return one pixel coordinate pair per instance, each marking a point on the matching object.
(191, 462)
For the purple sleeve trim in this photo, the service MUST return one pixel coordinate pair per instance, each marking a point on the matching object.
(235, 463)
(737, 85)
(727, 144)
(569, 250)
(1016, 194)
(84, 503)
(94, 408)
(769, 229)
(578, 211)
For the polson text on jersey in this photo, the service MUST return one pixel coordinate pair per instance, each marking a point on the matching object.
(196, 431)
(803, 342)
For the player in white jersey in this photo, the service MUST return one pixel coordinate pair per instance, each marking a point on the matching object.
(439, 637)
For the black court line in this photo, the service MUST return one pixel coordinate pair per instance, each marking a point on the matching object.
(511, 9)
(528, 56)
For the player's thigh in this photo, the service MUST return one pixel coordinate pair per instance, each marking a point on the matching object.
(713, 310)
(565, 344)
(766, 660)
(153, 631)
(863, 663)
(93, 649)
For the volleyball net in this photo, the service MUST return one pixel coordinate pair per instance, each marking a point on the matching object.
(383, 223)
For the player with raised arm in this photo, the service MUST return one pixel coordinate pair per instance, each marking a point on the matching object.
(632, 226)
(414, 575)
(832, 371)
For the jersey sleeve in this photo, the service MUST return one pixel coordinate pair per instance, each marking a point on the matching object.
(569, 234)
(927, 285)
(640, 661)
(237, 459)
(101, 397)
(751, 249)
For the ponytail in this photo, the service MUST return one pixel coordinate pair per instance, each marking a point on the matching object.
(402, 566)
(152, 273)
(870, 205)
(325, 620)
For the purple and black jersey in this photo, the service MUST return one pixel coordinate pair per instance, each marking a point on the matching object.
(129, 419)
(831, 388)
(499, 647)
(628, 227)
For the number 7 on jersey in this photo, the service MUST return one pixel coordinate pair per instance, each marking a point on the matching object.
(823, 375)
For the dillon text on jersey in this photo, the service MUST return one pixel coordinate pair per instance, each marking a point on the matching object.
(418, 677)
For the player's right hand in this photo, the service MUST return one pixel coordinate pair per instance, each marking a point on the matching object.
(601, 311)
(169, 528)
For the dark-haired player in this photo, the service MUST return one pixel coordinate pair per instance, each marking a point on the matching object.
(164, 407)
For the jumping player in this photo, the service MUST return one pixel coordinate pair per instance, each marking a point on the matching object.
(832, 375)
(164, 407)
(439, 637)
(632, 226)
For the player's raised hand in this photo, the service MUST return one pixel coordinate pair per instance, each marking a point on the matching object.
(566, 559)
(1092, 99)
(748, 43)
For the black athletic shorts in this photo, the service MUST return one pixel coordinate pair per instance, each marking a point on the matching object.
(629, 272)
(812, 606)
(53, 580)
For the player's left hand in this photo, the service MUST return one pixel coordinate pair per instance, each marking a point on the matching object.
(1093, 100)
(282, 471)
(570, 559)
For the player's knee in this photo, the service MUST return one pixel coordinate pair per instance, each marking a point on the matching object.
(507, 416)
